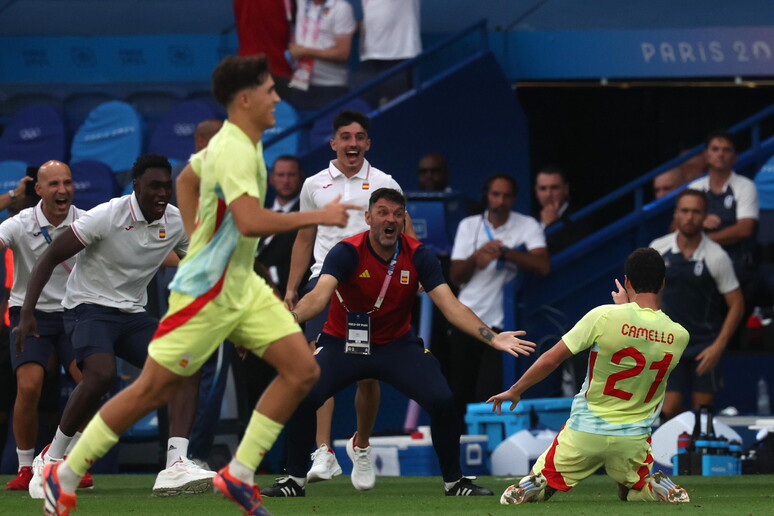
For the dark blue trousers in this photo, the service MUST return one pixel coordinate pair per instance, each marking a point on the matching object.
(405, 365)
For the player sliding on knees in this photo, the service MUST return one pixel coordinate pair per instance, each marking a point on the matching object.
(611, 417)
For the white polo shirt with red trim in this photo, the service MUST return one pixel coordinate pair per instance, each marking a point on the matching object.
(323, 187)
(23, 234)
(123, 252)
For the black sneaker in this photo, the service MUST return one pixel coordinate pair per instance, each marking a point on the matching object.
(284, 486)
(466, 487)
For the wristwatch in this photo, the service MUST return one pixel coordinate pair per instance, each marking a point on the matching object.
(503, 250)
(12, 193)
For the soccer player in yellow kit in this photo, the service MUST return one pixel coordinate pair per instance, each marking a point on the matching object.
(216, 295)
(634, 347)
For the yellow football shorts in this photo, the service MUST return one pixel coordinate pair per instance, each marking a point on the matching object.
(194, 327)
(575, 455)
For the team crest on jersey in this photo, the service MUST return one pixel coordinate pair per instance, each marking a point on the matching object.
(185, 360)
(404, 277)
(366, 185)
(698, 268)
(365, 274)
(162, 233)
(728, 202)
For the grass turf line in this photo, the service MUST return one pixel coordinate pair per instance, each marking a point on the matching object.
(405, 496)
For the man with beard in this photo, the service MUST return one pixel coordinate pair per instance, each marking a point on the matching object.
(486, 255)
(699, 278)
(375, 276)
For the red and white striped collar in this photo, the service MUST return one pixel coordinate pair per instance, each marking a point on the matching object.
(42, 221)
(137, 215)
(363, 173)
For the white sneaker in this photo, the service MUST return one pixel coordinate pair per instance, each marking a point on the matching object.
(324, 465)
(527, 490)
(667, 490)
(183, 477)
(363, 475)
(36, 484)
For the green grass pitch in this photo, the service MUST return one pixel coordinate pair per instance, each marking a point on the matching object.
(406, 496)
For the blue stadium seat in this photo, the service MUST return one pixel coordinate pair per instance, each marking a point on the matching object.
(129, 188)
(112, 134)
(77, 107)
(18, 101)
(173, 136)
(153, 105)
(322, 129)
(35, 135)
(764, 182)
(285, 116)
(94, 183)
(10, 174)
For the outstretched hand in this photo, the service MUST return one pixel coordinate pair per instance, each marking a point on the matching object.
(621, 296)
(335, 213)
(498, 399)
(510, 342)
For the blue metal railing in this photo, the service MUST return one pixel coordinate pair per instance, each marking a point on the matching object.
(417, 83)
(582, 275)
(637, 187)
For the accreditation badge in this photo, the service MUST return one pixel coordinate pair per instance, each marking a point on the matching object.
(358, 334)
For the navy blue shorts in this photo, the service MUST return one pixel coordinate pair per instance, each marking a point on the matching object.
(685, 379)
(102, 329)
(313, 327)
(7, 380)
(52, 340)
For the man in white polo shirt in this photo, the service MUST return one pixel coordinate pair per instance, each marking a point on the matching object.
(353, 178)
(120, 245)
(320, 46)
(488, 251)
(28, 235)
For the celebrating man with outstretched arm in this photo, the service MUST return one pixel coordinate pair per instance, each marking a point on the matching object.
(375, 276)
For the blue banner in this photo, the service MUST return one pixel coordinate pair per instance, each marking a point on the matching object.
(105, 59)
(593, 54)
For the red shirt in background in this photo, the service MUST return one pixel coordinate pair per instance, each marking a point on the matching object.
(263, 27)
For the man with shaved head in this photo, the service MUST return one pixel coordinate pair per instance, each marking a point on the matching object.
(204, 131)
(666, 182)
(28, 235)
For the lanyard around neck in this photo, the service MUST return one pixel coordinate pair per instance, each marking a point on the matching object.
(385, 284)
(47, 237)
(317, 22)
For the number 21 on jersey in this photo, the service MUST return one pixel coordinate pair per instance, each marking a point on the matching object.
(661, 367)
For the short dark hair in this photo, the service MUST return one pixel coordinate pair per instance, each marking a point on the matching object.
(645, 269)
(146, 161)
(389, 194)
(288, 157)
(693, 192)
(554, 169)
(235, 73)
(489, 180)
(349, 116)
(719, 134)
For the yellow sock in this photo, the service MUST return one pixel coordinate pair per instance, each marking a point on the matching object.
(258, 439)
(645, 494)
(96, 441)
